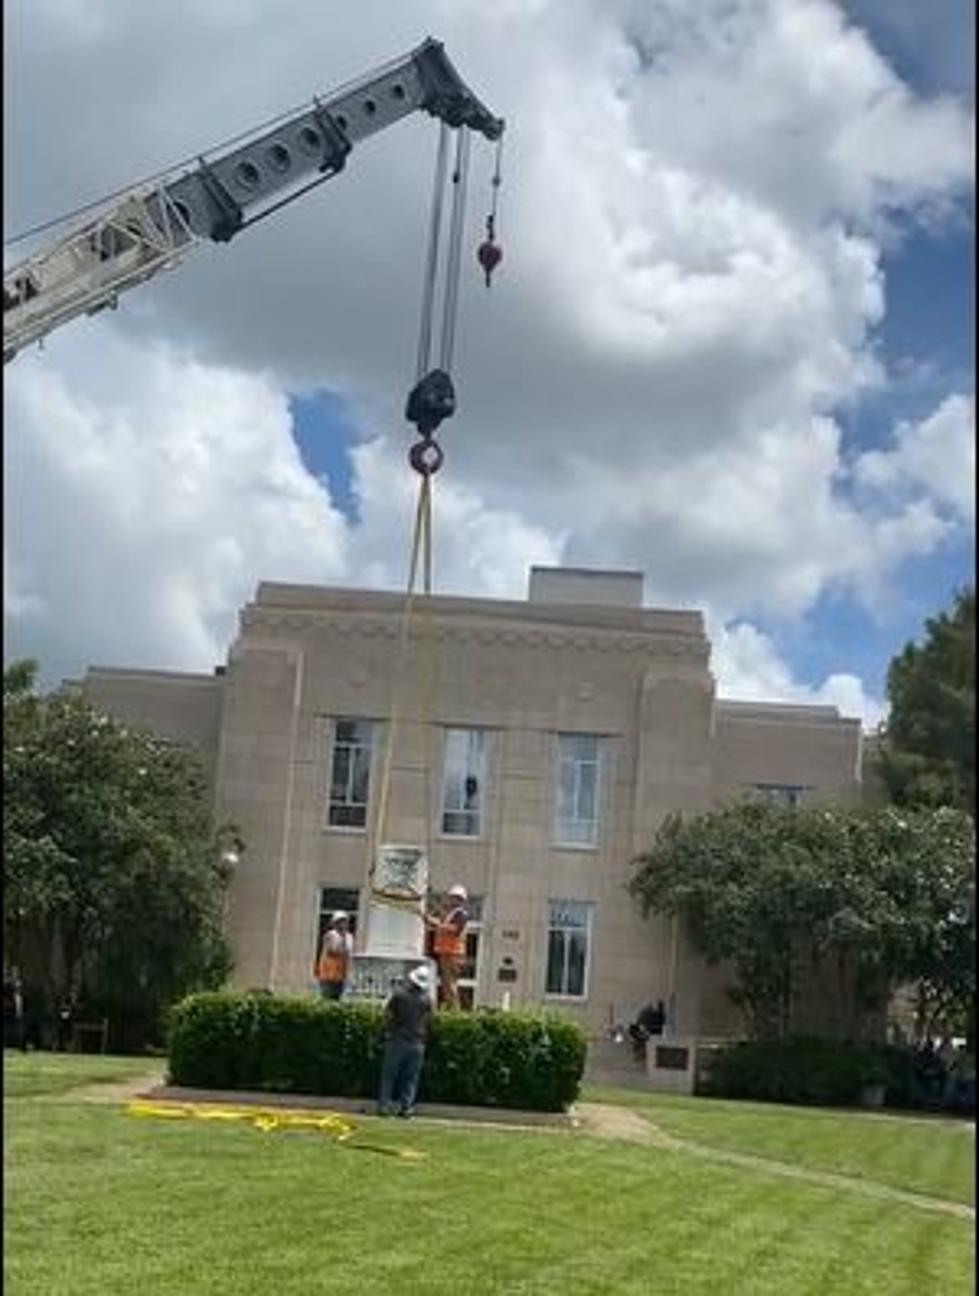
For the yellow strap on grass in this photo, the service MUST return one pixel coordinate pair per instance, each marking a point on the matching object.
(263, 1118)
(268, 1120)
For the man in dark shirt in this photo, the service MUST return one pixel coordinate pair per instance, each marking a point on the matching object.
(649, 1022)
(406, 1017)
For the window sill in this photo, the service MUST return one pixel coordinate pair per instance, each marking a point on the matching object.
(575, 846)
(348, 830)
(566, 998)
(460, 837)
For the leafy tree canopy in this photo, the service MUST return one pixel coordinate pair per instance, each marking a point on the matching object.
(929, 743)
(773, 890)
(113, 873)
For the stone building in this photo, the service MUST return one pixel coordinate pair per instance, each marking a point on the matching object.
(537, 745)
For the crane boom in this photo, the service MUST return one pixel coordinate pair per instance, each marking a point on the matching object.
(152, 227)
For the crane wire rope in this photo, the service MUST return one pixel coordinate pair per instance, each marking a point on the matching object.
(421, 550)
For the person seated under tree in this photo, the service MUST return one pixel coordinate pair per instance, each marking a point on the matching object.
(650, 1021)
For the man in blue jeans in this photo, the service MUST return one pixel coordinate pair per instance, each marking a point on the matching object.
(406, 1018)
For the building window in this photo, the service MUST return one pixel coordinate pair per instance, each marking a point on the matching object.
(351, 773)
(474, 930)
(568, 942)
(463, 781)
(578, 790)
(781, 794)
(331, 900)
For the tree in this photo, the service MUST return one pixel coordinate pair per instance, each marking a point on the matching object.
(872, 898)
(113, 872)
(928, 755)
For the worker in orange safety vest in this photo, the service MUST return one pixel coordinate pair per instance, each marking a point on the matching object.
(333, 964)
(450, 943)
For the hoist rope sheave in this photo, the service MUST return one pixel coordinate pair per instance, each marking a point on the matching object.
(134, 235)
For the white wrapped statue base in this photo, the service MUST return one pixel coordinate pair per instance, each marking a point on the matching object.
(395, 923)
(374, 976)
(396, 904)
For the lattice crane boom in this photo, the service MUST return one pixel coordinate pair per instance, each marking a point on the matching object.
(153, 226)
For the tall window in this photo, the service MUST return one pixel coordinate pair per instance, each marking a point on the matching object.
(463, 782)
(578, 790)
(568, 940)
(332, 899)
(351, 773)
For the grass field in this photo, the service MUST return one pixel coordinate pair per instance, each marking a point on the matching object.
(36, 1074)
(924, 1155)
(99, 1202)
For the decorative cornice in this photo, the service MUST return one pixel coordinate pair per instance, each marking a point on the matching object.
(651, 643)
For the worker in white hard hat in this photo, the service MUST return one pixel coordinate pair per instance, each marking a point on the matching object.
(450, 943)
(335, 956)
(406, 1017)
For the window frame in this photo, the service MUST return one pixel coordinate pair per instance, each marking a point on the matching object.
(333, 729)
(600, 763)
(589, 929)
(324, 915)
(789, 796)
(483, 774)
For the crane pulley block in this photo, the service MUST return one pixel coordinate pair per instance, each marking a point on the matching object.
(430, 402)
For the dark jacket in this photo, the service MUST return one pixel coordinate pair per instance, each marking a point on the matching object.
(407, 1014)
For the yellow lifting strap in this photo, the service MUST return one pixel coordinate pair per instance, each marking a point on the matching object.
(421, 560)
(430, 402)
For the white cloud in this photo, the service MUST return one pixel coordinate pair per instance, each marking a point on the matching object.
(162, 500)
(168, 499)
(694, 202)
(748, 668)
(476, 549)
(936, 456)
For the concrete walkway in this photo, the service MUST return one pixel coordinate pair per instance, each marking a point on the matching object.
(606, 1121)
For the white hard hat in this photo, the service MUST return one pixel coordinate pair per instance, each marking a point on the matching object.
(459, 891)
(340, 915)
(421, 977)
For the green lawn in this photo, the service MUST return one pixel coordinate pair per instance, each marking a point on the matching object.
(931, 1156)
(100, 1202)
(26, 1074)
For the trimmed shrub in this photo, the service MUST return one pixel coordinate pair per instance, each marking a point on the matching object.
(804, 1070)
(275, 1044)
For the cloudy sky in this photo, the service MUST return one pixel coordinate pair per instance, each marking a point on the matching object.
(729, 345)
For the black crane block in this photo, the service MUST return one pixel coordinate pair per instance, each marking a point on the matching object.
(431, 401)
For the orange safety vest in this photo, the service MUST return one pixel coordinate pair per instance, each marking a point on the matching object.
(450, 943)
(331, 966)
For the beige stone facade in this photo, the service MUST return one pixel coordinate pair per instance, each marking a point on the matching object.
(536, 748)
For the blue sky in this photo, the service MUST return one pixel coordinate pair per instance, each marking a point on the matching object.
(928, 324)
(325, 430)
(930, 321)
(691, 255)
(925, 341)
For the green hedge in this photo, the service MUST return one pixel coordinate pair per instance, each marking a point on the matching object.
(276, 1044)
(804, 1070)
